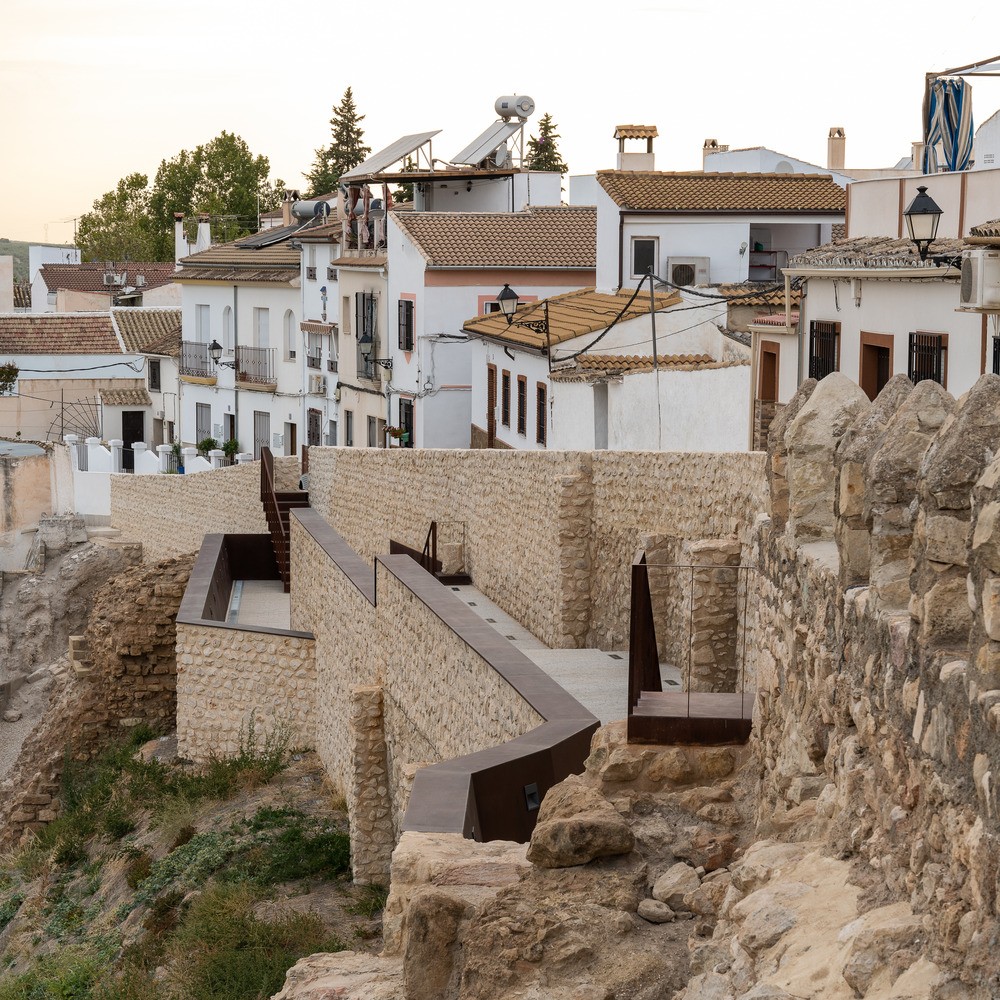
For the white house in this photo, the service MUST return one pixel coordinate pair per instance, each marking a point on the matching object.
(447, 266)
(582, 375)
(698, 228)
(95, 286)
(871, 308)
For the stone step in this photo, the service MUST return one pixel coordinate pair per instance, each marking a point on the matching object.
(79, 642)
(82, 668)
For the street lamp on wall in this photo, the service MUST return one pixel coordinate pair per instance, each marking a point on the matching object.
(508, 300)
(366, 345)
(922, 218)
(215, 353)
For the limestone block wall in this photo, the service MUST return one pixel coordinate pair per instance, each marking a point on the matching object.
(549, 536)
(508, 506)
(171, 514)
(686, 496)
(227, 676)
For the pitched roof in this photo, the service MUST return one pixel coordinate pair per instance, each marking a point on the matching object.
(598, 367)
(541, 237)
(22, 294)
(149, 331)
(985, 234)
(89, 276)
(125, 397)
(746, 295)
(378, 260)
(572, 314)
(57, 333)
(776, 319)
(657, 191)
(874, 252)
(636, 132)
(274, 264)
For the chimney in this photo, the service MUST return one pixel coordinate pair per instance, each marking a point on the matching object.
(181, 246)
(204, 240)
(708, 147)
(836, 143)
(634, 160)
(286, 209)
(917, 152)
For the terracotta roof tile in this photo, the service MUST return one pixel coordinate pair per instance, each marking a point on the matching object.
(745, 295)
(651, 191)
(233, 255)
(636, 132)
(89, 276)
(149, 331)
(125, 397)
(874, 252)
(572, 314)
(776, 319)
(597, 368)
(542, 237)
(57, 333)
(22, 294)
(379, 260)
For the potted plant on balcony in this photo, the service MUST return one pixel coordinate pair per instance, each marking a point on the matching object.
(397, 434)
(230, 449)
(206, 445)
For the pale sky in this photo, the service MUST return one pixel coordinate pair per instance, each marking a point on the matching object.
(93, 91)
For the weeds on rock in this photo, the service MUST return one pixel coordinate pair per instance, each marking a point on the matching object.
(370, 901)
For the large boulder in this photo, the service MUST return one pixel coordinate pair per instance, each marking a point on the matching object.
(576, 824)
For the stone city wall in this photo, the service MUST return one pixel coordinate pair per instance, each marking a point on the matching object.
(878, 716)
(640, 495)
(230, 680)
(171, 514)
(549, 536)
(396, 688)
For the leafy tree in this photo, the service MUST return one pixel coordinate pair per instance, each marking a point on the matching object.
(345, 151)
(405, 190)
(222, 177)
(543, 152)
(8, 377)
(119, 226)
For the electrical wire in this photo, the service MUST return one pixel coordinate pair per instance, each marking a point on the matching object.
(92, 368)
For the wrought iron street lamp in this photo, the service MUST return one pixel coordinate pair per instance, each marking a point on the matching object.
(215, 353)
(366, 344)
(508, 300)
(922, 218)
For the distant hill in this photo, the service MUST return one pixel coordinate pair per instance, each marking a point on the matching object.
(18, 249)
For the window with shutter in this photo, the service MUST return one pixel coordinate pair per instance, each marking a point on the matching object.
(406, 324)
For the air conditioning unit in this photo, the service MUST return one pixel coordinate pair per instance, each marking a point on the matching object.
(109, 279)
(157, 414)
(981, 280)
(140, 280)
(688, 270)
(317, 384)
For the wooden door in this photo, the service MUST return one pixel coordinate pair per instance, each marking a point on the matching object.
(491, 405)
(133, 429)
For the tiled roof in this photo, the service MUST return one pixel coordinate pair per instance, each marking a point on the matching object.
(330, 232)
(776, 319)
(89, 276)
(598, 368)
(22, 294)
(236, 275)
(572, 314)
(987, 233)
(541, 237)
(125, 397)
(651, 191)
(232, 255)
(745, 295)
(57, 333)
(636, 132)
(874, 252)
(377, 261)
(149, 331)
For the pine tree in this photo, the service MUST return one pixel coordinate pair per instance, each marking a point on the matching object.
(345, 151)
(543, 152)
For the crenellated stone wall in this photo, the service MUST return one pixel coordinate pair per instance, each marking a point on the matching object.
(171, 514)
(878, 716)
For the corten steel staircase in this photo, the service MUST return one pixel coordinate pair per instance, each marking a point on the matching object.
(276, 508)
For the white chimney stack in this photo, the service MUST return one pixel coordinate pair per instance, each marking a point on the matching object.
(204, 240)
(836, 143)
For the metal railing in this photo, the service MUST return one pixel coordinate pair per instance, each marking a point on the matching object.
(195, 361)
(314, 360)
(276, 511)
(255, 365)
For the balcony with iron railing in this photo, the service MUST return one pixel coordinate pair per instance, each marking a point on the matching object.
(255, 368)
(314, 359)
(195, 361)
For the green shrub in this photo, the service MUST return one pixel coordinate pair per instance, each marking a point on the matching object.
(221, 951)
(370, 901)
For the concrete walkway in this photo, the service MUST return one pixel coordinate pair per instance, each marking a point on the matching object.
(598, 680)
(260, 602)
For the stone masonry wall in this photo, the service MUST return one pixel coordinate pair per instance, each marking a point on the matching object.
(396, 689)
(227, 677)
(878, 717)
(171, 514)
(549, 536)
(687, 496)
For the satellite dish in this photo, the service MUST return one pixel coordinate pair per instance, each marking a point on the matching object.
(500, 156)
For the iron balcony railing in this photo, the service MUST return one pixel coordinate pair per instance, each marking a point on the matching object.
(255, 365)
(195, 361)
